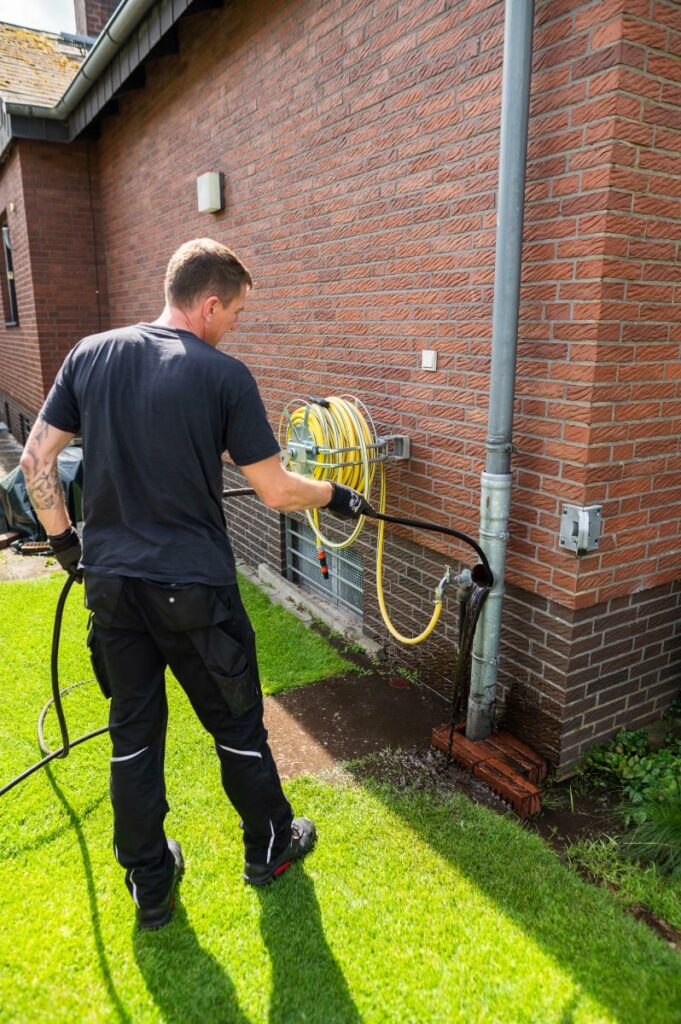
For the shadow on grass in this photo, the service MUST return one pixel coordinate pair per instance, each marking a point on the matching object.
(188, 985)
(105, 971)
(307, 983)
(582, 940)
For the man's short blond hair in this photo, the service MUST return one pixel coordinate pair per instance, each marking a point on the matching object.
(204, 267)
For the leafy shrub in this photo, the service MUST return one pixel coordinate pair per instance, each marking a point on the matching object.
(644, 777)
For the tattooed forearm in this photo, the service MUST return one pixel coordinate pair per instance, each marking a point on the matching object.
(42, 479)
(41, 474)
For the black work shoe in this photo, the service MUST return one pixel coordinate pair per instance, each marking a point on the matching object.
(150, 918)
(303, 836)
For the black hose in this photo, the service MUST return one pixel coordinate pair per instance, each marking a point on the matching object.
(51, 757)
(67, 743)
(421, 524)
(416, 524)
(54, 665)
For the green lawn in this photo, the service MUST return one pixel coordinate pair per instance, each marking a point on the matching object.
(413, 908)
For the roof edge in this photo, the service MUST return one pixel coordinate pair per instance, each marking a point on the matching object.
(116, 31)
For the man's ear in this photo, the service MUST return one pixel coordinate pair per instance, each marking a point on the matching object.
(208, 307)
(214, 304)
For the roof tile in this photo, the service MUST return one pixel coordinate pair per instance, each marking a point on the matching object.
(36, 67)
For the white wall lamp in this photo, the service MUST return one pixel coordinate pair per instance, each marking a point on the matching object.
(210, 192)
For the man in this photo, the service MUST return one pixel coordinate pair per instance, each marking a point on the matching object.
(157, 404)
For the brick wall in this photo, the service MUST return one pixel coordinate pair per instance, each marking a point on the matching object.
(66, 263)
(59, 266)
(18, 417)
(363, 198)
(600, 413)
(92, 15)
(567, 679)
(359, 144)
(20, 356)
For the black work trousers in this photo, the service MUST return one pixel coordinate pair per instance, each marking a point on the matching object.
(203, 633)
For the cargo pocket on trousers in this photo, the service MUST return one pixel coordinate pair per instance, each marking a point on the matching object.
(97, 660)
(227, 663)
(102, 594)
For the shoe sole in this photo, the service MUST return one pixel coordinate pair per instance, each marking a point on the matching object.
(273, 877)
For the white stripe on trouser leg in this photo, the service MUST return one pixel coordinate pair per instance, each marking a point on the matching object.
(269, 848)
(246, 753)
(128, 757)
(134, 888)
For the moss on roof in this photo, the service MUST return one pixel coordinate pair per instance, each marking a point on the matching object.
(35, 66)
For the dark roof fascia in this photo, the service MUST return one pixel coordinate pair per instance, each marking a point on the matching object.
(157, 23)
(31, 121)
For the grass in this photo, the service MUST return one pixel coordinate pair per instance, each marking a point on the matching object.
(636, 883)
(415, 907)
(289, 654)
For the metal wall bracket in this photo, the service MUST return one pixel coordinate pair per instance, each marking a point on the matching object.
(580, 528)
(305, 456)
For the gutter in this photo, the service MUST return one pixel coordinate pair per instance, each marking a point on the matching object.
(122, 22)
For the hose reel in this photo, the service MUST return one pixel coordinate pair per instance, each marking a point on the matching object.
(335, 439)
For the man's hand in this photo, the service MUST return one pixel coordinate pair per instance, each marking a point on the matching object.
(67, 551)
(347, 502)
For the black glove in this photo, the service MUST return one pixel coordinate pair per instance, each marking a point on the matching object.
(347, 502)
(67, 550)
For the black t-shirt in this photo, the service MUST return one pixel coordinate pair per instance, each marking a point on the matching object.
(157, 407)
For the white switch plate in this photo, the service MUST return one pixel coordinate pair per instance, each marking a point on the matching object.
(428, 359)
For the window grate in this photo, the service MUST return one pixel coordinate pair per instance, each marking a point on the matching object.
(345, 585)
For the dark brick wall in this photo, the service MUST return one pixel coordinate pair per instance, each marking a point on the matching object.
(255, 531)
(625, 666)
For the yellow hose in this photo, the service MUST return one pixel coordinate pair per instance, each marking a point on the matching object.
(348, 446)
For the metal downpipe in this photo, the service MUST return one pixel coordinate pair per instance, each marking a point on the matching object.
(496, 480)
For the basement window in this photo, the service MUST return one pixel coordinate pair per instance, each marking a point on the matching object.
(9, 292)
(24, 427)
(344, 586)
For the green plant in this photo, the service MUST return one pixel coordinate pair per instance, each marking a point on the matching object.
(657, 839)
(644, 777)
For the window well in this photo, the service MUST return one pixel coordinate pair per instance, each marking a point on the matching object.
(344, 586)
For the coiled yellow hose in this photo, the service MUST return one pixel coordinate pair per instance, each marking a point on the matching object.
(343, 433)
